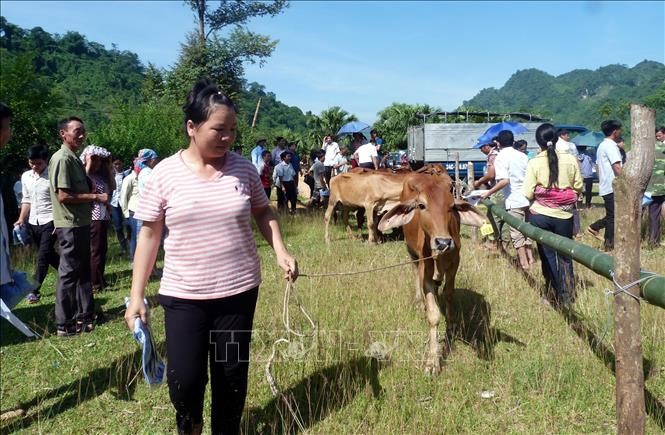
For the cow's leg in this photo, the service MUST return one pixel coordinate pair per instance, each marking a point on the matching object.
(326, 219)
(371, 226)
(360, 219)
(345, 219)
(448, 291)
(433, 314)
(418, 297)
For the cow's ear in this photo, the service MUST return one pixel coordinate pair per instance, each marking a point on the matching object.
(399, 215)
(469, 215)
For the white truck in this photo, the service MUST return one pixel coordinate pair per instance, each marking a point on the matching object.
(444, 142)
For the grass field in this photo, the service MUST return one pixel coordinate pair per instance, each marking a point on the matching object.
(516, 366)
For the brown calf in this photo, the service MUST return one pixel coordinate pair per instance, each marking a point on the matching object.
(431, 218)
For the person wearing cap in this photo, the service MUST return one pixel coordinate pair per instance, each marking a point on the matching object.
(71, 198)
(257, 152)
(491, 151)
(37, 212)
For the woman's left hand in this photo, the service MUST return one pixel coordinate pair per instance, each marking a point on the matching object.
(289, 265)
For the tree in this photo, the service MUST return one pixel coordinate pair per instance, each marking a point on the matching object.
(395, 119)
(231, 13)
(152, 87)
(328, 122)
(156, 124)
(34, 104)
(221, 58)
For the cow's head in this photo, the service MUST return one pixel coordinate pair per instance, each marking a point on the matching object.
(429, 199)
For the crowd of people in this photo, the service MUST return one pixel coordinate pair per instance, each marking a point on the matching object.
(281, 168)
(209, 289)
(548, 189)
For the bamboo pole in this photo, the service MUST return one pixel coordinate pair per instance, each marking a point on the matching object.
(256, 113)
(629, 187)
(652, 290)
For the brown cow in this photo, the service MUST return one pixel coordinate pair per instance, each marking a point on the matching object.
(371, 190)
(431, 219)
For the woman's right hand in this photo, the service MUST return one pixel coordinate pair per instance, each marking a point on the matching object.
(136, 308)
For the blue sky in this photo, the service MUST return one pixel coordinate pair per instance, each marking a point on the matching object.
(363, 56)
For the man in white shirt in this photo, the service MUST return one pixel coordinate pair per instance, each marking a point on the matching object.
(509, 171)
(608, 159)
(37, 212)
(367, 156)
(331, 149)
(563, 144)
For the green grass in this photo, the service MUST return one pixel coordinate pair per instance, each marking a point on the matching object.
(547, 373)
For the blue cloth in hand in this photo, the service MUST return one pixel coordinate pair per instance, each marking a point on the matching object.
(153, 364)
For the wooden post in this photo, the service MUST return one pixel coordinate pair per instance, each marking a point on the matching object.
(470, 178)
(458, 194)
(256, 113)
(628, 190)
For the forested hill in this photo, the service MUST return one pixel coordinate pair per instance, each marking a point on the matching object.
(124, 103)
(580, 96)
(82, 76)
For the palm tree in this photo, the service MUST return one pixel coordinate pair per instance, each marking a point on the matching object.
(328, 122)
(396, 118)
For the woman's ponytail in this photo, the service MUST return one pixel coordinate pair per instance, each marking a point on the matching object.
(546, 138)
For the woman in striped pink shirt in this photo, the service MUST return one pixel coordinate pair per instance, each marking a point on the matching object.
(205, 196)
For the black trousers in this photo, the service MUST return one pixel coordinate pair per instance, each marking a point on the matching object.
(327, 174)
(588, 188)
(291, 194)
(213, 332)
(607, 222)
(267, 191)
(655, 214)
(44, 239)
(120, 226)
(73, 293)
(557, 269)
(281, 198)
(99, 244)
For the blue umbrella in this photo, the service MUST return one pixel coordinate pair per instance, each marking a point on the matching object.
(589, 139)
(513, 126)
(352, 127)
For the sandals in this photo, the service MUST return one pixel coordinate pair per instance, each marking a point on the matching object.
(32, 298)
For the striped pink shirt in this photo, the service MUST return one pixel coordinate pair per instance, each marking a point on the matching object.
(210, 250)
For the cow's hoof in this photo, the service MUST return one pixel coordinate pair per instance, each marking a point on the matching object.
(432, 366)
